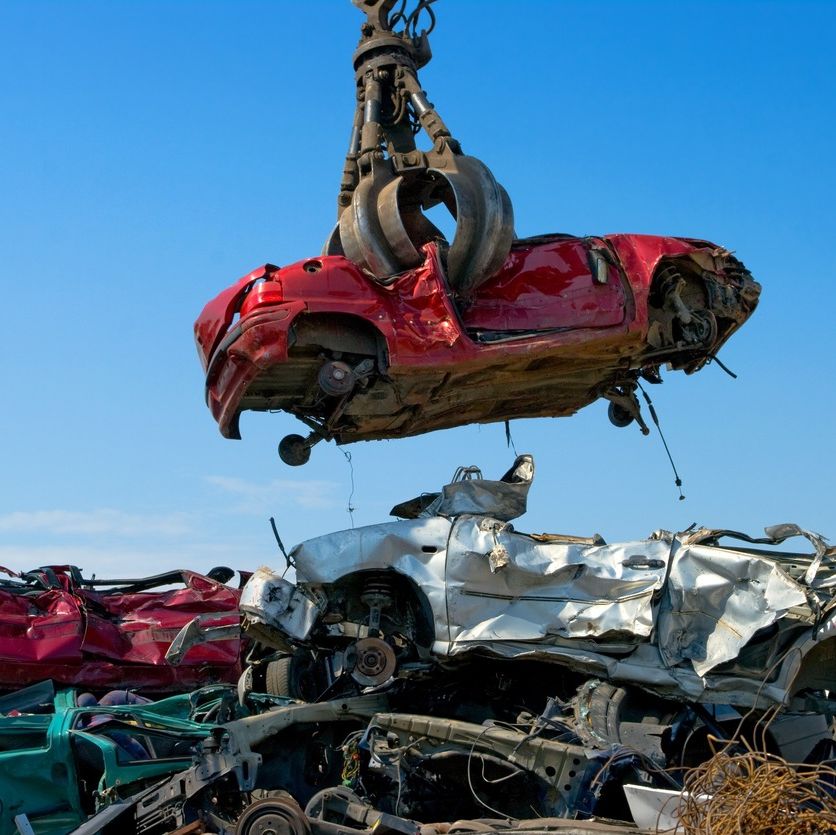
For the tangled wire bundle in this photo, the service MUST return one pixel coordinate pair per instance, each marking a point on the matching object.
(755, 793)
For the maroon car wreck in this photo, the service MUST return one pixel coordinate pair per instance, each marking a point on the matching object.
(97, 634)
(565, 321)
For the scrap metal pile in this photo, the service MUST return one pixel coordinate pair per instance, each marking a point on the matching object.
(443, 673)
(449, 668)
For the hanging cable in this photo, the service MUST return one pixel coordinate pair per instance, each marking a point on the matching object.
(713, 358)
(655, 419)
(412, 21)
(509, 441)
(350, 506)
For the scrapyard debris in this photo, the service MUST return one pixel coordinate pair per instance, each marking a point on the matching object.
(758, 793)
(535, 690)
(66, 756)
(205, 763)
(565, 321)
(413, 677)
(56, 623)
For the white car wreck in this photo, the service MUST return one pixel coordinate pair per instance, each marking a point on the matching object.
(678, 615)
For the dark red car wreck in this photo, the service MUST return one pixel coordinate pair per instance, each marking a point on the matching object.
(98, 634)
(563, 322)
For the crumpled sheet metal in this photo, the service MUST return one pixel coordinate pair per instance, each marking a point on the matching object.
(568, 590)
(415, 549)
(497, 499)
(272, 600)
(94, 638)
(775, 535)
(665, 611)
(715, 601)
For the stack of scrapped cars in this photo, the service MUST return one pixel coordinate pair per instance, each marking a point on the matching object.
(57, 624)
(446, 667)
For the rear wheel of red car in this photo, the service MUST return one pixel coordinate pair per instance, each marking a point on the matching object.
(619, 416)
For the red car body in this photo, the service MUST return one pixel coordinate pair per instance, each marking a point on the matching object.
(565, 320)
(54, 624)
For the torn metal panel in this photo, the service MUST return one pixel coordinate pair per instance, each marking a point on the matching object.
(277, 602)
(574, 591)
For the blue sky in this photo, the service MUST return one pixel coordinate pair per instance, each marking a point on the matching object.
(153, 152)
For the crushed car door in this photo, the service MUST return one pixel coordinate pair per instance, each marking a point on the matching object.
(567, 283)
(505, 587)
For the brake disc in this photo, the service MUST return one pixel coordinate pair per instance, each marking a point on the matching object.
(374, 662)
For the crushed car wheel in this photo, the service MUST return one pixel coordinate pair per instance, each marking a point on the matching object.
(297, 676)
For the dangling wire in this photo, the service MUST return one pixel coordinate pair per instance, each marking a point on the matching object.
(713, 358)
(655, 419)
(509, 441)
(279, 542)
(350, 506)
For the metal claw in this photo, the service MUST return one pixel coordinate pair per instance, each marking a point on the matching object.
(484, 223)
(383, 228)
(361, 234)
(393, 225)
(387, 183)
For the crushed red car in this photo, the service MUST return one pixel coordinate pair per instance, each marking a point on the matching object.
(565, 321)
(101, 634)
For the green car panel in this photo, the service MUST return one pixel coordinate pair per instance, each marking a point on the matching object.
(61, 766)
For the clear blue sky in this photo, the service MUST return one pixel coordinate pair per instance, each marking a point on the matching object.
(153, 152)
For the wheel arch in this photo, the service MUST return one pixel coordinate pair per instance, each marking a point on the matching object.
(425, 627)
(338, 332)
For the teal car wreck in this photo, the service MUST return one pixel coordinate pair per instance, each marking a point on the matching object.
(64, 756)
(72, 764)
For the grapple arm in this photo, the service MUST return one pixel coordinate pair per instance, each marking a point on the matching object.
(388, 183)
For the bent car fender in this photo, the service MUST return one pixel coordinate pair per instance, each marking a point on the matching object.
(270, 599)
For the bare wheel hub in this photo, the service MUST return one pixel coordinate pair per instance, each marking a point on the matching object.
(336, 378)
(375, 661)
(273, 816)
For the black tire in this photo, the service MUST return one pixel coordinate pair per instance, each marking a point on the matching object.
(299, 676)
(619, 416)
(294, 450)
(277, 677)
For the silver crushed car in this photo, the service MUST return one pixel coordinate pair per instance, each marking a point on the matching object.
(705, 615)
